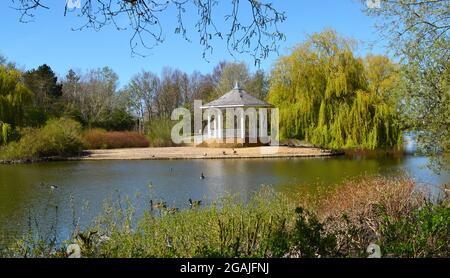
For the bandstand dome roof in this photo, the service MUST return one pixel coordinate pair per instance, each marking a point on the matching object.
(237, 97)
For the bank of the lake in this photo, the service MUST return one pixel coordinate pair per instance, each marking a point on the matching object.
(205, 153)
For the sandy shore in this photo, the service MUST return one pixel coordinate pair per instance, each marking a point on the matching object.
(203, 153)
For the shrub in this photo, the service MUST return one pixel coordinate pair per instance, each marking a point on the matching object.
(268, 225)
(59, 137)
(421, 233)
(159, 132)
(101, 139)
(388, 211)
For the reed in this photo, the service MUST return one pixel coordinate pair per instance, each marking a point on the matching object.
(344, 221)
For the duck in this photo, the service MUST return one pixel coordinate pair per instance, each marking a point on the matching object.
(158, 205)
(234, 151)
(205, 154)
(224, 153)
(193, 204)
(51, 186)
(172, 210)
(202, 176)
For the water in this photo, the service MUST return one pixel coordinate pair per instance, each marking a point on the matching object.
(26, 197)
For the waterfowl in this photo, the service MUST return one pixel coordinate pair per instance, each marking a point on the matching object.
(52, 186)
(193, 204)
(172, 210)
(158, 205)
(205, 154)
(224, 153)
(202, 176)
(234, 151)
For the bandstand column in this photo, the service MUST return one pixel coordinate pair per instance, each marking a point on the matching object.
(209, 123)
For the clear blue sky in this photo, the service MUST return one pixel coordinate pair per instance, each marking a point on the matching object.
(49, 39)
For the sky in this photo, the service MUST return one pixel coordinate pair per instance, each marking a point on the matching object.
(49, 39)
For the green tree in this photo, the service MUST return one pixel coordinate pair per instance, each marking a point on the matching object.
(14, 95)
(419, 33)
(325, 96)
(46, 93)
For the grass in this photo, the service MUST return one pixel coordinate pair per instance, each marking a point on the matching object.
(158, 132)
(102, 139)
(340, 223)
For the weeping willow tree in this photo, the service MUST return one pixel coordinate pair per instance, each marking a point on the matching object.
(14, 95)
(5, 129)
(331, 98)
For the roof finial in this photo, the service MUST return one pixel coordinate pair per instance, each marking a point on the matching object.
(236, 85)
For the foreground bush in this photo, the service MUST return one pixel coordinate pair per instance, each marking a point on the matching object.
(403, 224)
(101, 139)
(392, 212)
(58, 138)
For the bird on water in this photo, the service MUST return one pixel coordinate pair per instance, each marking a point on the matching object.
(193, 204)
(158, 205)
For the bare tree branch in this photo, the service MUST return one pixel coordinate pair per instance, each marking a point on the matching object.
(251, 27)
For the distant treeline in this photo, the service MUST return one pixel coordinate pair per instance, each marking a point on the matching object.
(326, 94)
(93, 98)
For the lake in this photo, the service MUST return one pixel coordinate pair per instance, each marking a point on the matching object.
(82, 186)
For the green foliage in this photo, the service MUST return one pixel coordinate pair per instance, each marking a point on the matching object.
(325, 97)
(158, 132)
(14, 95)
(5, 131)
(59, 137)
(310, 238)
(422, 233)
(43, 82)
(234, 230)
(119, 119)
(267, 225)
(419, 34)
